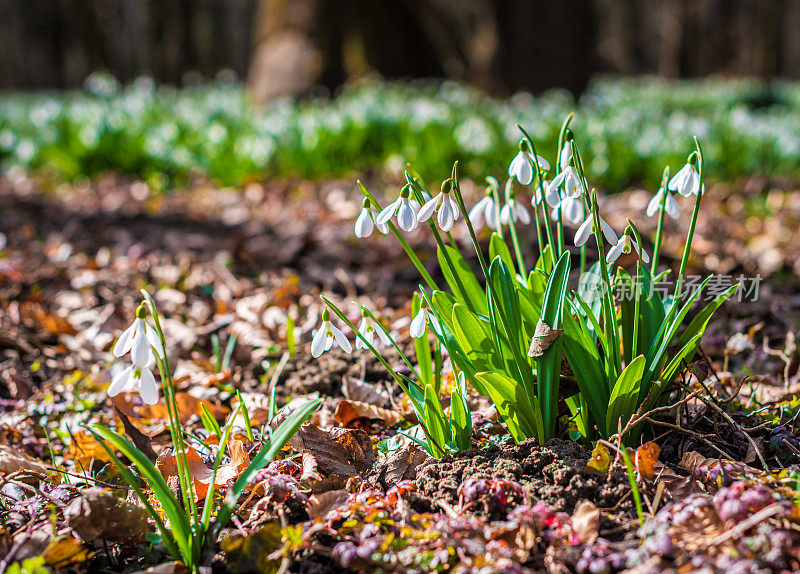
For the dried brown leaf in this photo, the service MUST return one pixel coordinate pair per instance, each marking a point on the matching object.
(13, 461)
(543, 337)
(349, 411)
(586, 522)
(97, 513)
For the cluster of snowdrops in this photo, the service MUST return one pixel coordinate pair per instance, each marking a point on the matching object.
(503, 332)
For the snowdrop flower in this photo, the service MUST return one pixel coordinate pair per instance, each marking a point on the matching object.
(566, 155)
(570, 180)
(551, 195)
(572, 211)
(624, 245)
(587, 228)
(138, 378)
(687, 180)
(513, 210)
(417, 327)
(444, 204)
(671, 205)
(140, 339)
(402, 207)
(368, 329)
(326, 335)
(366, 221)
(521, 166)
(484, 212)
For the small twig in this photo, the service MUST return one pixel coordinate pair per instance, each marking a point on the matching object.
(692, 433)
(739, 427)
(640, 417)
(744, 526)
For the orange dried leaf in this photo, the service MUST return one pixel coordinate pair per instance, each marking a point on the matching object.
(600, 460)
(645, 459)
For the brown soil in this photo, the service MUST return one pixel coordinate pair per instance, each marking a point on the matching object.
(554, 474)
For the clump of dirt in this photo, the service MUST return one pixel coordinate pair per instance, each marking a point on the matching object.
(554, 474)
(305, 374)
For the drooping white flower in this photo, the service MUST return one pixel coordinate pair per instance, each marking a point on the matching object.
(140, 339)
(403, 208)
(484, 213)
(513, 210)
(445, 205)
(136, 378)
(687, 180)
(521, 167)
(624, 245)
(671, 205)
(587, 228)
(365, 223)
(572, 211)
(326, 335)
(570, 180)
(368, 329)
(566, 155)
(417, 327)
(551, 195)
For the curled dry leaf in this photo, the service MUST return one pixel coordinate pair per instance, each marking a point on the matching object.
(349, 411)
(600, 460)
(98, 513)
(586, 522)
(340, 452)
(360, 391)
(645, 459)
(201, 474)
(13, 461)
(324, 502)
(400, 465)
(543, 337)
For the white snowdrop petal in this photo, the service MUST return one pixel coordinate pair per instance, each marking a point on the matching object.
(427, 210)
(125, 341)
(505, 214)
(608, 231)
(318, 342)
(672, 207)
(155, 341)
(614, 253)
(120, 382)
(147, 387)
(551, 195)
(364, 225)
(383, 336)
(140, 352)
(655, 204)
(406, 217)
(417, 327)
(584, 231)
(543, 163)
(521, 213)
(341, 340)
(387, 212)
(446, 218)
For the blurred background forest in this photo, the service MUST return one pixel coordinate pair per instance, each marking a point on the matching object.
(286, 47)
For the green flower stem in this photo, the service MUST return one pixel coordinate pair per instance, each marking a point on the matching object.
(540, 184)
(690, 236)
(441, 245)
(406, 247)
(495, 187)
(175, 421)
(525, 374)
(660, 231)
(637, 291)
(512, 228)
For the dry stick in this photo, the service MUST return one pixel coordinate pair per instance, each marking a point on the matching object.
(737, 426)
(696, 434)
(640, 417)
(742, 527)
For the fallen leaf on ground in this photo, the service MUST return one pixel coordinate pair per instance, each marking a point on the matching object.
(65, 551)
(645, 459)
(138, 438)
(98, 513)
(360, 391)
(201, 474)
(342, 452)
(600, 460)
(400, 465)
(324, 502)
(586, 522)
(349, 411)
(13, 460)
(84, 449)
